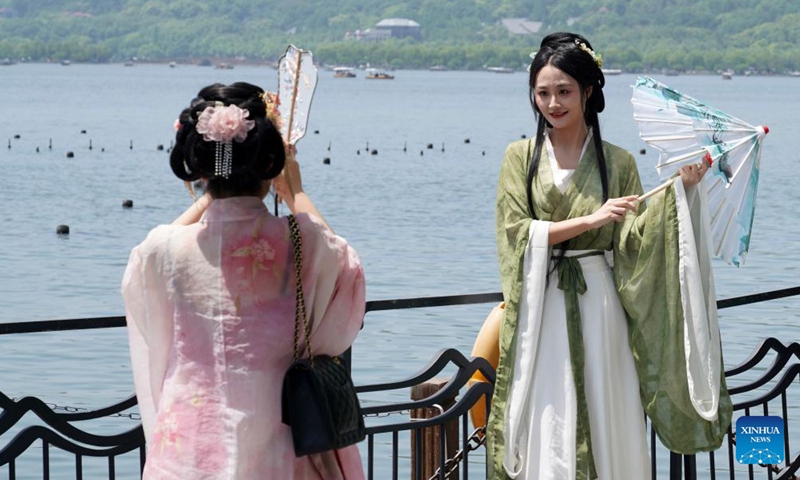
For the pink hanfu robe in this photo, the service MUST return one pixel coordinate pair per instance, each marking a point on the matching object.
(210, 310)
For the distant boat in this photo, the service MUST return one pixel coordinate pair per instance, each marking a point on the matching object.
(129, 63)
(65, 62)
(438, 68)
(727, 74)
(6, 61)
(343, 72)
(224, 66)
(172, 64)
(375, 74)
(611, 71)
(500, 69)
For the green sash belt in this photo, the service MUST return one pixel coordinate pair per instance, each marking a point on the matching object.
(571, 281)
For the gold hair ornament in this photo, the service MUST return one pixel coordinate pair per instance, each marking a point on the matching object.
(271, 102)
(595, 56)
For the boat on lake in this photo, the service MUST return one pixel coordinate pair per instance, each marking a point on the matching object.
(377, 74)
(343, 72)
(611, 71)
(500, 69)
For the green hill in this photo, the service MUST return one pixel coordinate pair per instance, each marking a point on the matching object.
(703, 35)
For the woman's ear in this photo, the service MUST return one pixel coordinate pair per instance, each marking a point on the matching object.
(589, 91)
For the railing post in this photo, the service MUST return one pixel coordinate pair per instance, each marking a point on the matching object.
(431, 447)
(675, 466)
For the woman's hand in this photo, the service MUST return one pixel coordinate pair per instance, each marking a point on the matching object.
(692, 174)
(614, 210)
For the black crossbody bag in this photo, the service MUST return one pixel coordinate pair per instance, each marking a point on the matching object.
(318, 401)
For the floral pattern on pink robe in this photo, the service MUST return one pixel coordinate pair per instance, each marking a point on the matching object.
(210, 312)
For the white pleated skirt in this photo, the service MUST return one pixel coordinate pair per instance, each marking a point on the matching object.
(616, 416)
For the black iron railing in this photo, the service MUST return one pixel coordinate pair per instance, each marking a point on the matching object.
(62, 428)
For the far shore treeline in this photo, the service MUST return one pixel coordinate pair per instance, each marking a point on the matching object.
(746, 36)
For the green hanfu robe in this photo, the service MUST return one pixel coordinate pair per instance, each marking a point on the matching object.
(662, 279)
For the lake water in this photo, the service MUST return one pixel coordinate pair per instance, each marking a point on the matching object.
(421, 219)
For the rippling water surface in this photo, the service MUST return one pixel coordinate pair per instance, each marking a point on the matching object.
(421, 218)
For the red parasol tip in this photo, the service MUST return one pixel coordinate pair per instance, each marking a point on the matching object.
(708, 159)
(766, 129)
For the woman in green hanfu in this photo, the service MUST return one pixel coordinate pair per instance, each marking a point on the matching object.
(610, 303)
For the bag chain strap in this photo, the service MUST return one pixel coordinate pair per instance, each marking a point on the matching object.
(300, 308)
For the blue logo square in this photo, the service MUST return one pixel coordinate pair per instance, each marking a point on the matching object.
(759, 440)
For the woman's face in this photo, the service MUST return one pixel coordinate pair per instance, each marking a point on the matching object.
(558, 98)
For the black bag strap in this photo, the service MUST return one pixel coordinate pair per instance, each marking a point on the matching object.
(300, 306)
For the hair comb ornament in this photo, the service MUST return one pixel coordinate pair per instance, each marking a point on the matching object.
(224, 125)
(598, 59)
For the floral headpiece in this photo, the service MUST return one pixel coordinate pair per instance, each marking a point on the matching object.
(595, 56)
(224, 124)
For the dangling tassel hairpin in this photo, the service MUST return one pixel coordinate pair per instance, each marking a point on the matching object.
(223, 161)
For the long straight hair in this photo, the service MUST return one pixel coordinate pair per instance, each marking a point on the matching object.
(563, 51)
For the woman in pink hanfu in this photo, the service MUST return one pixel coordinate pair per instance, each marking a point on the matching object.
(210, 303)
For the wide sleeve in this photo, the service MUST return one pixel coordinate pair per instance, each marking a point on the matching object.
(513, 222)
(649, 269)
(333, 282)
(149, 323)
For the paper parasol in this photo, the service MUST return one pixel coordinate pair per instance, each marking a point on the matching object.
(688, 131)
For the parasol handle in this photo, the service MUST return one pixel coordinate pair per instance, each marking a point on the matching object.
(671, 180)
(659, 188)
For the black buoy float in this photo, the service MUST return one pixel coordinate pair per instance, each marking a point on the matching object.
(9, 144)
(90, 144)
(127, 204)
(404, 146)
(430, 146)
(83, 131)
(62, 230)
(160, 147)
(421, 152)
(374, 152)
(443, 146)
(37, 149)
(326, 161)
(523, 136)
(17, 136)
(103, 149)
(329, 145)
(483, 153)
(466, 140)
(642, 151)
(316, 132)
(70, 154)
(131, 145)
(358, 152)
(50, 145)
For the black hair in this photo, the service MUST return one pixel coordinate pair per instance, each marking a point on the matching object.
(563, 51)
(258, 157)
